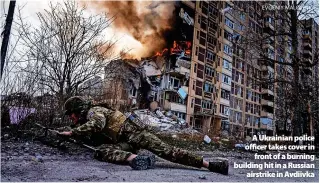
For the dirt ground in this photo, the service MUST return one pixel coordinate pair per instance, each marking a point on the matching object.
(33, 161)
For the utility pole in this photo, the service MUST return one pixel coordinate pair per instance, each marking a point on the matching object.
(6, 33)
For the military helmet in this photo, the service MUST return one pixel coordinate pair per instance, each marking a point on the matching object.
(74, 105)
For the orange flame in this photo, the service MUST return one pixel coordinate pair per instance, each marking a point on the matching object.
(179, 46)
(161, 53)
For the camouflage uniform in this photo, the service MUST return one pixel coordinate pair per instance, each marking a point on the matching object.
(104, 126)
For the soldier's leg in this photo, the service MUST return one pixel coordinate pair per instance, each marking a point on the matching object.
(151, 142)
(119, 154)
(112, 153)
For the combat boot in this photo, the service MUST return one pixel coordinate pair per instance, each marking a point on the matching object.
(152, 159)
(142, 162)
(221, 166)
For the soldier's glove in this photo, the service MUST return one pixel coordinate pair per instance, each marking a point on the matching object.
(67, 133)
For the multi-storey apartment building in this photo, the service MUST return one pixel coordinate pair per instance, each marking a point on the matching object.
(212, 77)
(225, 88)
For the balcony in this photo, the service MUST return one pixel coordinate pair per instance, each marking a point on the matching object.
(267, 102)
(179, 72)
(307, 53)
(308, 61)
(307, 37)
(307, 45)
(268, 45)
(209, 78)
(204, 111)
(225, 86)
(227, 41)
(267, 68)
(227, 28)
(207, 95)
(266, 114)
(178, 107)
(268, 25)
(224, 101)
(226, 71)
(266, 91)
(268, 36)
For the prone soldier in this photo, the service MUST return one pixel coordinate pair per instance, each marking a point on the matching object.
(118, 138)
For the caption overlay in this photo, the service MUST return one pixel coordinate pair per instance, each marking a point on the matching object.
(279, 156)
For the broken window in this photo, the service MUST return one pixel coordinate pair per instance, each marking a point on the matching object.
(228, 22)
(212, 25)
(208, 87)
(203, 37)
(198, 91)
(227, 65)
(210, 55)
(204, 8)
(227, 49)
(237, 117)
(200, 73)
(198, 101)
(224, 110)
(199, 88)
(209, 71)
(204, 23)
(226, 79)
(206, 104)
(194, 85)
(201, 54)
(227, 35)
(174, 83)
(225, 94)
(180, 115)
(249, 94)
(198, 123)
(210, 39)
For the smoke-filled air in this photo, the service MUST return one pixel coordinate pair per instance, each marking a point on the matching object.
(147, 22)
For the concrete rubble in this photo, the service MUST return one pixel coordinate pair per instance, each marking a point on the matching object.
(159, 120)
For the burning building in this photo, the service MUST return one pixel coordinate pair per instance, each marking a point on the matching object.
(197, 68)
(181, 78)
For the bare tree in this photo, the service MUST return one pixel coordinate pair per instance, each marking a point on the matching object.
(68, 48)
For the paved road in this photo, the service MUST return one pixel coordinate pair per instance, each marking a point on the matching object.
(20, 165)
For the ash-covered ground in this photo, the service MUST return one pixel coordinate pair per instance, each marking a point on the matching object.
(33, 161)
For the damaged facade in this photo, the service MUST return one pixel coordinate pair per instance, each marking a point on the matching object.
(204, 77)
(121, 84)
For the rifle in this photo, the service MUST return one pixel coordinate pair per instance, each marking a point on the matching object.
(67, 138)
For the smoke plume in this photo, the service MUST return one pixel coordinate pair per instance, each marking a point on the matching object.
(146, 22)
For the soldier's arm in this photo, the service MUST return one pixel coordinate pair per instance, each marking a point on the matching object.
(96, 122)
(64, 128)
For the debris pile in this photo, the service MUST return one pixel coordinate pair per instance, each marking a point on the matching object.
(161, 120)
